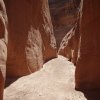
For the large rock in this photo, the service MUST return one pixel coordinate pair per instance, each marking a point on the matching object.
(64, 14)
(88, 66)
(3, 46)
(30, 36)
(69, 45)
(54, 82)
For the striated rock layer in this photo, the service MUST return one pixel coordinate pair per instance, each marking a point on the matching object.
(31, 40)
(3, 46)
(70, 43)
(88, 66)
(64, 15)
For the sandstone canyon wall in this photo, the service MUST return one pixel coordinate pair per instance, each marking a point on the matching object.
(88, 66)
(31, 40)
(64, 15)
(70, 44)
(3, 46)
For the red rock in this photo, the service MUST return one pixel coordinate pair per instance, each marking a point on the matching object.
(88, 66)
(30, 36)
(47, 33)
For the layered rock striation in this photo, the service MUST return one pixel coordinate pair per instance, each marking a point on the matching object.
(70, 44)
(64, 15)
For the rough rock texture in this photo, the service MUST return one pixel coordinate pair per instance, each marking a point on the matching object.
(47, 33)
(3, 46)
(64, 14)
(69, 45)
(31, 40)
(3, 58)
(88, 66)
(54, 82)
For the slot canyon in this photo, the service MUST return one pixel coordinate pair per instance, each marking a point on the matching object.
(49, 50)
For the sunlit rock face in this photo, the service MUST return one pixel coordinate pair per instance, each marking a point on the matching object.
(88, 66)
(64, 15)
(3, 46)
(31, 40)
(55, 81)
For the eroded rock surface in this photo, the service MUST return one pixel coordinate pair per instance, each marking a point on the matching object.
(31, 39)
(3, 46)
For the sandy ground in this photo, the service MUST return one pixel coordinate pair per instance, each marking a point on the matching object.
(54, 82)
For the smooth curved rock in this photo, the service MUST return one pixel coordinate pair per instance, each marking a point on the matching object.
(3, 46)
(30, 36)
(88, 66)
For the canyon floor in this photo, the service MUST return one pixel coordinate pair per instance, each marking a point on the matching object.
(55, 81)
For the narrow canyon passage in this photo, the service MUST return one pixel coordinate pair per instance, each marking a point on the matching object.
(55, 81)
(32, 32)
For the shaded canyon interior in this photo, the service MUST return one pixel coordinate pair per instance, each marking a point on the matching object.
(32, 32)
